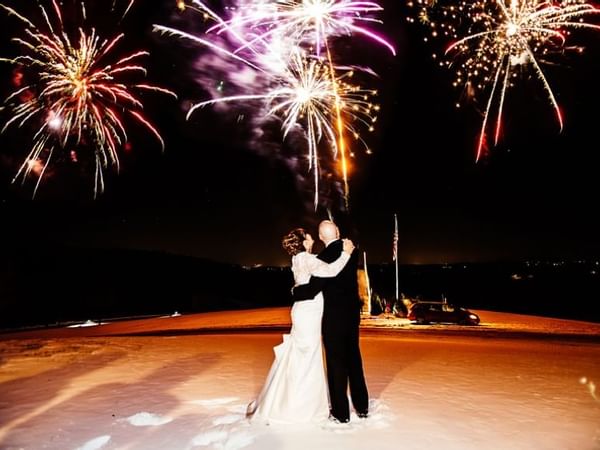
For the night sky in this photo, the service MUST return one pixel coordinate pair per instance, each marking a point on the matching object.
(211, 194)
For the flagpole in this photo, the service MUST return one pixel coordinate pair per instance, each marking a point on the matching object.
(396, 251)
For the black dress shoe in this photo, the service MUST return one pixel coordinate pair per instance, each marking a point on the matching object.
(334, 419)
(362, 414)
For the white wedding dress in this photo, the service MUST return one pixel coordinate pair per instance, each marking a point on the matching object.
(296, 388)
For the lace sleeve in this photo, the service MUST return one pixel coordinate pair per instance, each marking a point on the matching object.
(322, 269)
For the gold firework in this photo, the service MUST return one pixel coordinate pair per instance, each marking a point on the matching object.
(494, 40)
(79, 96)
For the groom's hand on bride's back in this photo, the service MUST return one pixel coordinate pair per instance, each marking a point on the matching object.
(309, 290)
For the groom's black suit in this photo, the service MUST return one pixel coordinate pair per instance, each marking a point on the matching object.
(341, 319)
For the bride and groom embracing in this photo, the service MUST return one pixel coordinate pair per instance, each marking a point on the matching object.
(326, 303)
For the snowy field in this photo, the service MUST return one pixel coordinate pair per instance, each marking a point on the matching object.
(516, 382)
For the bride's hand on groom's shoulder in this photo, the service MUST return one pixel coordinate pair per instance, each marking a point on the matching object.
(348, 246)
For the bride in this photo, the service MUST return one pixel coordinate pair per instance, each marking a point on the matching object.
(296, 388)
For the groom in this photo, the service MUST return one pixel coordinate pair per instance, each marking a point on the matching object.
(341, 319)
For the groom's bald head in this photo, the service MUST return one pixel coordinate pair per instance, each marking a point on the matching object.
(328, 231)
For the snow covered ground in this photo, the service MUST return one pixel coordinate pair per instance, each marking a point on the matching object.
(117, 386)
(492, 323)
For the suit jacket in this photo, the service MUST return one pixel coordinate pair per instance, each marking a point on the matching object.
(340, 292)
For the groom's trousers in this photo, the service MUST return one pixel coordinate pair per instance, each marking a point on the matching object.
(344, 366)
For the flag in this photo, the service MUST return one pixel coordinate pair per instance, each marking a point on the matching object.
(395, 240)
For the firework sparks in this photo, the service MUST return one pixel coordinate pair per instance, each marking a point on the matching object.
(311, 22)
(282, 43)
(80, 100)
(496, 39)
(307, 95)
(308, 23)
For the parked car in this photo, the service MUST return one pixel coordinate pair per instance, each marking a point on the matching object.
(439, 312)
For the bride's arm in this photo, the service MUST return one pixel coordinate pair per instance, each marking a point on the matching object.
(322, 269)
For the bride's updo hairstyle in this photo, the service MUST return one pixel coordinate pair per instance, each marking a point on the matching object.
(293, 241)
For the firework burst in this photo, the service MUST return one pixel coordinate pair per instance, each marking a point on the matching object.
(81, 95)
(306, 24)
(495, 40)
(286, 45)
(306, 96)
